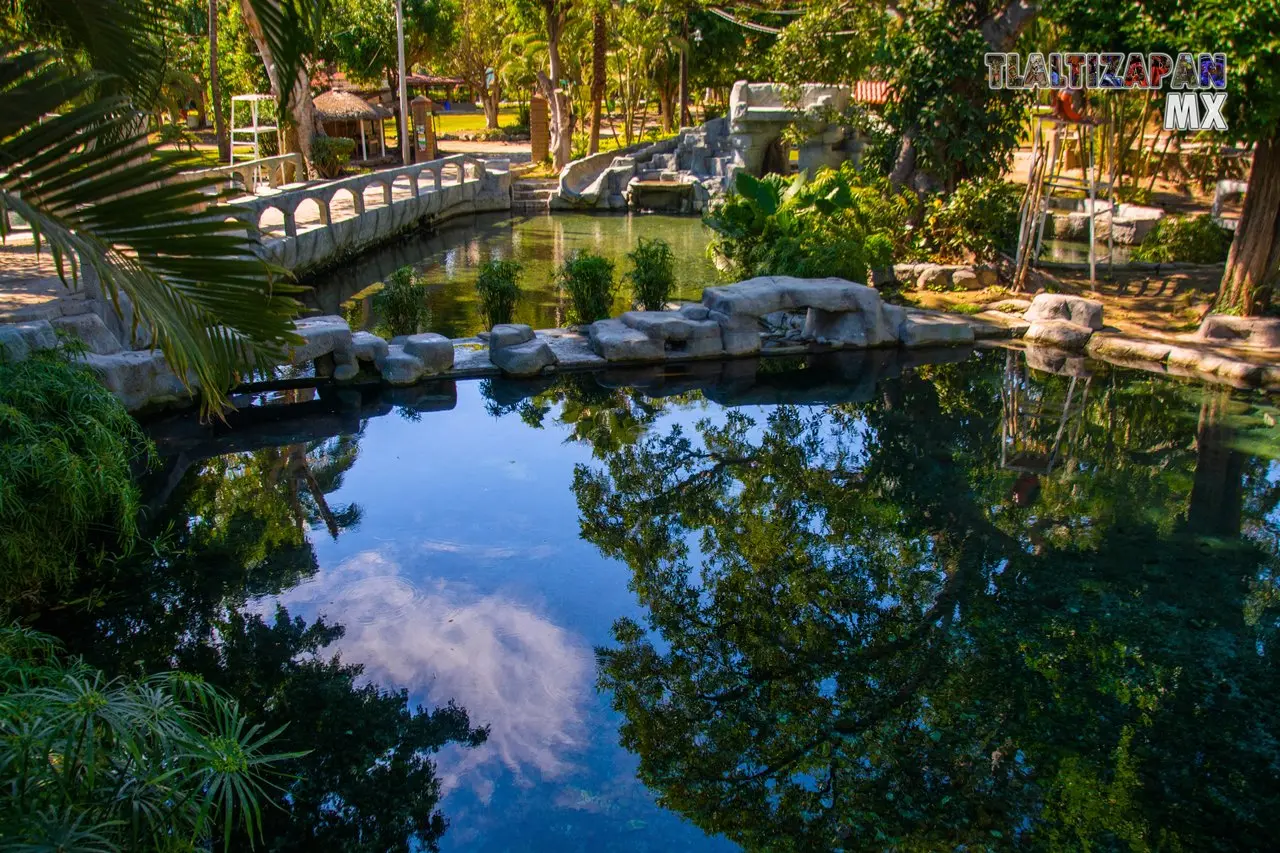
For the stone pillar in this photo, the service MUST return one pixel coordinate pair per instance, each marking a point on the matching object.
(424, 130)
(539, 128)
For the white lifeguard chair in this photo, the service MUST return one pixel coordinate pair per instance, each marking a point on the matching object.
(246, 139)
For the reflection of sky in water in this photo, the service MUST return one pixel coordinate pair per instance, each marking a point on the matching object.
(466, 580)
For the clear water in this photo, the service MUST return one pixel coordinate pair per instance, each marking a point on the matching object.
(449, 260)
(853, 602)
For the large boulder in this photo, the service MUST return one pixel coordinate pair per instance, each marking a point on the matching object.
(1261, 332)
(138, 378)
(90, 330)
(38, 334)
(613, 340)
(934, 330)
(966, 279)
(756, 297)
(1060, 306)
(1123, 349)
(523, 359)
(13, 346)
(321, 336)
(399, 367)
(366, 346)
(679, 333)
(853, 328)
(933, 277)
(509, 334)
(434, 351)
(1062, 334)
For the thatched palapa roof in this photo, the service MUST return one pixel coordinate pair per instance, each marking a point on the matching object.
(343, 106)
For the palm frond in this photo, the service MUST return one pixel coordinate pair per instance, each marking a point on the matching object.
(100, 196)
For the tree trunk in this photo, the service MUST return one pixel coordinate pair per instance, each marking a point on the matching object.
(1255, 252)
(599, 55)
(302, 111)
(561, 132)
(490, 96)
(215, 87)
(684, 76)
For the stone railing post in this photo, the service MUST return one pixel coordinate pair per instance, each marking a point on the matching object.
(424, 131)
(539, 128)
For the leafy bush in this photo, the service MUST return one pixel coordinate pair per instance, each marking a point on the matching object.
(1192, 240)
(491, 134)
(653, 275)
(588, 278)
(402, 303)
(331, 154)
(68, 450)
(92, 763)
(840, 223)
(499, 289)
(974, 223)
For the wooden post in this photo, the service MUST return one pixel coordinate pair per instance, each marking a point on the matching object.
(539, 128)
(424, 131)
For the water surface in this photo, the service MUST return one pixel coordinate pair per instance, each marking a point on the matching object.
(449, 260)
(851, 602)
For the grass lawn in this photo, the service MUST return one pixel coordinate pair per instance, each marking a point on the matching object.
(451, 122)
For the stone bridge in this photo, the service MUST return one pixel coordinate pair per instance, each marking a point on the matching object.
(307, 228)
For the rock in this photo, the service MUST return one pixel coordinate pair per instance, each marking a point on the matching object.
(525, 359)
(1119, 348)
(137, 377)
(615, 341)
(966, 279)
(756, 297)
(853, 328)
(1009, 306)
(321, 336)
(1242, 331)
(346, 372)
(933, 277)
(509, 335)
(38, 334)
(694, 311)
(905, 272)
(1062, 334)
(13, 346)
(678, 334)
(399, 367)
(1059, 306)
(1234, 371)
(90, 329)
(930, 330)
(366, 346)
(987, 276)
(434, 351)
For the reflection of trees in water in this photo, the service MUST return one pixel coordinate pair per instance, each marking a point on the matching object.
(237, 532)
(861, 632)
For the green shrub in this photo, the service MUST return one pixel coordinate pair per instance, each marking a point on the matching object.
(1192, 240)
(68, 451)
(839, 223)
(401, 304)
(653, 274)
(491, 134)
(92, 763)
(499, 289)
(975, 223)
(331, 154)
(588, 278)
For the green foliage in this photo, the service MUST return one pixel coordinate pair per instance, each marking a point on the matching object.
(125, 209)
(331, 154)
(588, 279)
(840, 223)
(652, 275)
(401, 304)
(89, 762)
(499, 287)
(974, 223)
(1193, 240)
(68, 451)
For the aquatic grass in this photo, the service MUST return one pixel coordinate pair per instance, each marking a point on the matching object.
(652, 275)
(499, 287)
(402, 303)
(588, 279)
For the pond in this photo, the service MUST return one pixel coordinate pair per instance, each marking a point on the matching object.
(449, 259)
(849, 602)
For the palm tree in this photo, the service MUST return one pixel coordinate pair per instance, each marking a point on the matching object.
(76, 166)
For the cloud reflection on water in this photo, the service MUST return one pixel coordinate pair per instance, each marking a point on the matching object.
(526, 677)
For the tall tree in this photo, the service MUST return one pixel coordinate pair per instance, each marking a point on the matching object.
(483, 32)
(291, 85)
(552, 18)
(599, 72)
(215, 87)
